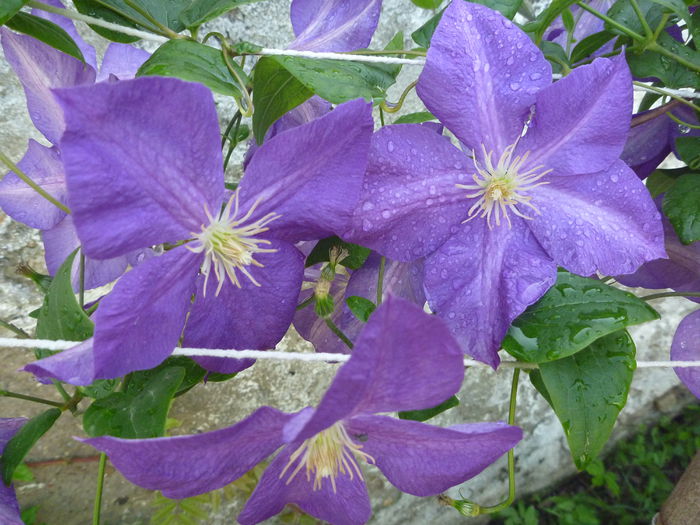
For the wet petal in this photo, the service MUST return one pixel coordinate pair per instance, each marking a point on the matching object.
(425, 460)
(157, 293)
(686, 347)
(334, 25)
(311, 175)
(43, 165)
(347, 505)
(185, 466)
(122, 61)
(41, 68)
(493, 71)
(75, 366)
(605, 222)
(581, 121)
(410, 200)
(247, 318)
(482, 279)
(140, 170)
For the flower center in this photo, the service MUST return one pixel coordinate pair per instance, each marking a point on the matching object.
(229, 245)
(502, 188)
(326, 455)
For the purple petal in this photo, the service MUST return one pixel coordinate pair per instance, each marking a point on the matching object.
(347, 505)
(8, 428)
(62, 240)
(603, 222)
(9, 508)
(481, 279)
(586, 25)
(40, 68)
(686, 347)
(43, 165)
(251, 317)
(122, 61)
(404, 359)
(647, 145)
(157, 293)
(581, 121)
(66, 24)
(410, 201)
(185, 466)
(481, 76)
(75, 366)
(425, 460)
(334, 25)
(140, 170)
(311, 175)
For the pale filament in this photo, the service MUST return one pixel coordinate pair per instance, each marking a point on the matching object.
(502, 188)
(328, 454)
(229, 245)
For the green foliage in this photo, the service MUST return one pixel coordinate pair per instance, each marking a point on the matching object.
(689, 151)
(424, 34)
(8, 9)
(94, 9)
(570, 316)
(507, 8)
(362, 308)
(429, 413)
(587, 391)
(624, 14)
(682, 207)
(357, 255)
(541, 23)
(47, 32)
(60, 316)
(661, 180)
(194, 62)
(590, 44)
(415, 118)
(201, 11)
(673, 74)
(25, 438)
(427, 4)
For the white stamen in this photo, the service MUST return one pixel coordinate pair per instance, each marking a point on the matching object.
(328, 454)
(229, 245)
(500, 189)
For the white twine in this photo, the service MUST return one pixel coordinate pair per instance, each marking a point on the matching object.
(11, 342)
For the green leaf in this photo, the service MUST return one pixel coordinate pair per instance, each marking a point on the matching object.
(570, 316)
(28, 515)
(322, 253)
(94, 9)
(540, 24)
(682, 207)
(587, 392)
(689, 151)
(100, 388)
(660, 181)
(362, 308)
(275, 92)
(193, 374)
(507, 8)
(427, 4)
(139, 412)
(428, 413)
(424, 33)
(23, 473)
(201, 11)
(555, 54)
(8, 9)
(61, 317)
(590, 45)
(339, 81)
(194, 62)
(568, 20)
(47, 32)
(677, 7)
(166, 12)
(415, 118)
(25, 438)
(670, 72)
(624, 14)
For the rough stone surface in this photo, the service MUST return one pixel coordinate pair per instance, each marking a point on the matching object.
(64, 489)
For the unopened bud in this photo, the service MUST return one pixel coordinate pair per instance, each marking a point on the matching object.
(324, 306)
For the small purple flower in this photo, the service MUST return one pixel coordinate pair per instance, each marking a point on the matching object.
(403, 360)
(494, 227)
(9, 508)
(143, 168)
(686, 347)
(40, 69)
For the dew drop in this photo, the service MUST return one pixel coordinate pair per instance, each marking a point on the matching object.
(515, 86)
(390, 146)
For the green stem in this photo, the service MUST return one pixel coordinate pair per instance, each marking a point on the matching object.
(670, 54)
(381, 116)
(681, 122)
(661, 26)
(232, 145)
(380, 280)
(33, 185)
(667, 94)
(228, 129)
(337, 331)
(7, 393)
(645, 25)
(81, 291)
(306, 302)
(127, 16)
(669, 294)
(14, 329)
(387, 52)
(97, 508)
(65, 395)
(626, 30)
(395, 107)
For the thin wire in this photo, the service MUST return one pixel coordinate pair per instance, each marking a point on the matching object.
(419, 61)
(10, 342)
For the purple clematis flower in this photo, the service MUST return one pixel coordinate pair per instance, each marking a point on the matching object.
(686, 347)
(494, 227)
(403, 280)
(9, 508)
(403, 360)
(141, 172)
(41, 68)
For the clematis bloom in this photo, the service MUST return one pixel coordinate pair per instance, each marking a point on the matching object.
(539, 183)
(404, 359)
(142, 171)
(686, 347)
